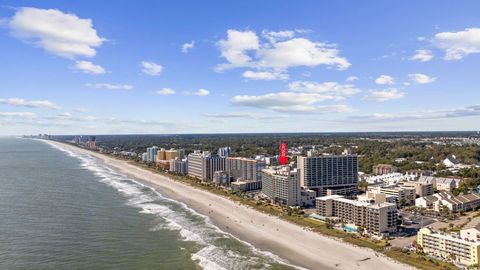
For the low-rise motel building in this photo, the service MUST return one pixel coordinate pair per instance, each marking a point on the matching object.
(463, 248)
(377, 218)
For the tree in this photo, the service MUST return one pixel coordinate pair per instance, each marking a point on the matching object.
(363, 185)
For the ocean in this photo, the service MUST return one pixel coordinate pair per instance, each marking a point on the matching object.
(60, 210)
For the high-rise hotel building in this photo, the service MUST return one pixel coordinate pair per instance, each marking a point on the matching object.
(329, 174)
(246, 169)
(281, 185)
(203, 165)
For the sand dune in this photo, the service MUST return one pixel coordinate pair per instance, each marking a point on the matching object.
(289, 241)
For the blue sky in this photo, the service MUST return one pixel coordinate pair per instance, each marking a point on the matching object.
(94, 67)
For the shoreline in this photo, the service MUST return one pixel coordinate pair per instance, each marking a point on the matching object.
(292, 243)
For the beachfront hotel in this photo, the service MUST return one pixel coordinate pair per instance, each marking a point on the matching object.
(245, 169)
(281, 185)
(203, 165)
(377, 218)
(463, 248)
(332, 174)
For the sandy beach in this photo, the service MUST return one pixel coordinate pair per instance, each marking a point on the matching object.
(288, 241)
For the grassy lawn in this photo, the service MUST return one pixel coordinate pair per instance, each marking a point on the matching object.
(419, 261)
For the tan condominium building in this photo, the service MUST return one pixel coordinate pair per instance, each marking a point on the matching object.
(421, 189)
(163, 154)
(440, 183)
(174, 153)
(404, 195)
(384, 169)
(281, 185)
(461, 248)
(377, 218)
(246, 169)
(160, 154)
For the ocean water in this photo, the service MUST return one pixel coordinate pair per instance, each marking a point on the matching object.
(60, 210)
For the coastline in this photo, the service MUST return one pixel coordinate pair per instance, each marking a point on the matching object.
(288, 241)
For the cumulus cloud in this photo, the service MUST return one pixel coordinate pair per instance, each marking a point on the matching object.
(89, 67)
(22, 115)
(20, 102)
(188, 46)
(235, 48)
(385, 79)
(384, 95)
(265, 75)
(110, 86)
(351, 78)
(151, 68)
(420, 78)
(458, 44)
(165, 91)
(473, 110)
(422, 56)
(56, 32)
(277, 51)
(202, 92)
(301, 52)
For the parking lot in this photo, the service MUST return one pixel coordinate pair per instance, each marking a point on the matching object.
(417, 221)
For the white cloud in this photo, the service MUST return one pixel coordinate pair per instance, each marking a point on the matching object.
(458, 44)
(89, 67)
(335, 90)
(265, 75)
(301, 52)
(56, 32)
(19, 102)
(273, 36)
(202, 92)
(290, 102)
(165, 91)
(282, 50)
(422, 55)
(351, 78)
(420, 78)
(151, 68)
(384, 95)
(23, 115)
(234, 49)
(302, 97)
(110, 86)
(188, 46)
(385, 79)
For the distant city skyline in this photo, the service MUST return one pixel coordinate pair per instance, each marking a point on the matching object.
(91, 67)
